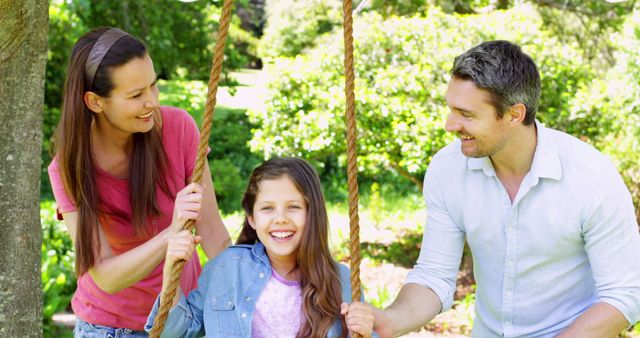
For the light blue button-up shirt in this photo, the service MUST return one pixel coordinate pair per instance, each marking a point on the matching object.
(569, 239)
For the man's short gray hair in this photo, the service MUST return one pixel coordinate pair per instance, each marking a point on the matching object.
(501, 68)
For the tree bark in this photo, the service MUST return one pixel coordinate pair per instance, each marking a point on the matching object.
(23, 55)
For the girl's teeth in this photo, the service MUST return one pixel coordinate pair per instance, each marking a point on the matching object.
(281, 234)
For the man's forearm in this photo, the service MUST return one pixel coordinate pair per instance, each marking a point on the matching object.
(414, 306)
(599, 321)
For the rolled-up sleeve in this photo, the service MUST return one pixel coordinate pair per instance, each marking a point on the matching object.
(442, 245)
(612, 242)
(184, 319)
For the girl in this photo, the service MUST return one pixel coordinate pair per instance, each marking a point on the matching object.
(280, 280)
(120, 162)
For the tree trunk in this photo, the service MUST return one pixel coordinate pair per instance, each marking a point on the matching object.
(23, 55)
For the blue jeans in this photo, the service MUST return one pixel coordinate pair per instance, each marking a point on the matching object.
(88, 330)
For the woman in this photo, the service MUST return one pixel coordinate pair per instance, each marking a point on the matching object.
(120, 172)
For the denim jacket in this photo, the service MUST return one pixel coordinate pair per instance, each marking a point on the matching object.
(228, 288)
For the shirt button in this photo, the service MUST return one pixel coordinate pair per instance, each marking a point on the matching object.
(243, 315)
(509, 263)
(261, 275)
(248, 299)
(229, 303)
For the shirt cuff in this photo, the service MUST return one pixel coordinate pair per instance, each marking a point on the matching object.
(440, 288)
(631, 313)
(177, 320)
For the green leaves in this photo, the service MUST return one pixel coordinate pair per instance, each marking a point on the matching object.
(402, 69)
(57, 265)
(230, 160)
(402, 65)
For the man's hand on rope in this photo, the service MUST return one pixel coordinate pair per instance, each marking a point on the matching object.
(187, 206)
(359, 318)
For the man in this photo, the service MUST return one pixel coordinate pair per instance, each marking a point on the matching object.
(548, 218)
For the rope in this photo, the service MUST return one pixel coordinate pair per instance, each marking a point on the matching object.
(352, 161)
(166, 300)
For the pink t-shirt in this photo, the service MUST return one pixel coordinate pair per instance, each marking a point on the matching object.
(278, 310)
(129, 308)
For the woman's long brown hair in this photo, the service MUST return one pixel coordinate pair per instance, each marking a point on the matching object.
(72, 147)
(320, 281)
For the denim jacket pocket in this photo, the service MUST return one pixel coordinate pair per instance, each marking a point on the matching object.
(225, 313)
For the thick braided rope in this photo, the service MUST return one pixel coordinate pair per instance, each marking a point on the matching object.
(166, 299)
(352, 165)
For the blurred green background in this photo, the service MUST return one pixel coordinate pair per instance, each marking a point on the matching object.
(282, 95)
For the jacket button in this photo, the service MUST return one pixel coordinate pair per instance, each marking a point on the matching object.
(244, 315)
(261, 275)
(248, 299)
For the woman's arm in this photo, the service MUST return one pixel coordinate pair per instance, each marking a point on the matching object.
(210, 227)
(113, 273)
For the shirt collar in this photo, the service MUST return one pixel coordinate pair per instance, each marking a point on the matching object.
(546, 161)
(260, 252)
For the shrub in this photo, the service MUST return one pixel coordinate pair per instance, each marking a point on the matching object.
(230, 160)
(401, 67)
(623, 93)
(57, 267)
(180, 38)
(293, 26)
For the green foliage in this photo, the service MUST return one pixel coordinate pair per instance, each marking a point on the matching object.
(57, 267)
(400, 7)
(64, 28)
(401, 66)
(382, 298)
(230, 159)
(294, 25)
(465, 307)
(179, 35)
(420, 7)
(403, 252)
(623, 92)
(587, 23)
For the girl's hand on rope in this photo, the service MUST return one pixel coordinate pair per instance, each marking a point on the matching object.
(359, 318)
(180, 247)
(187, 206)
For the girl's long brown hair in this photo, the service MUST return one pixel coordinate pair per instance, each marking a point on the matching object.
(72, 147)
(320, 282)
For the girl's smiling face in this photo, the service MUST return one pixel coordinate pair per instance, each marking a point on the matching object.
(279, 219)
